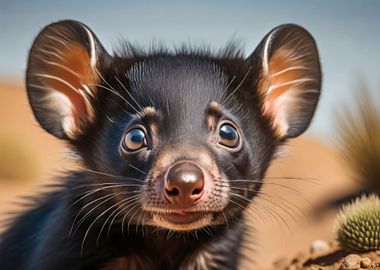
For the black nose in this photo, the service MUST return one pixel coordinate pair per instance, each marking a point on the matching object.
(184, 184)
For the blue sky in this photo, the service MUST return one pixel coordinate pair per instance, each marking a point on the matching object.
(347, 33)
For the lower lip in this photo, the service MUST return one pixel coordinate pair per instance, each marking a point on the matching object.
(182, 217)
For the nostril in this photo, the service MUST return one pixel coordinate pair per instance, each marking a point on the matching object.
(173, 192)
(196, 191)
(184, 184)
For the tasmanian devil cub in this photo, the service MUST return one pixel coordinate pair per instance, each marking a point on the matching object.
(174, 145)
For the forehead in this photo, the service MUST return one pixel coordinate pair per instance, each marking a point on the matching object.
(179, 88)
(177, 83)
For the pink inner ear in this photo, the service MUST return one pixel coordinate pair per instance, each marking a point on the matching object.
(70, 74)
(285, 75)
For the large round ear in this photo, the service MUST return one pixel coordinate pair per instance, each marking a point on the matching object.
(290, 78)
(62, 75)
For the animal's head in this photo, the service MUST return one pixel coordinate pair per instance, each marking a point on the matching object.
(177, 140)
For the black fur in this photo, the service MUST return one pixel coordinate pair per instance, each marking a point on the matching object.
(180, 85)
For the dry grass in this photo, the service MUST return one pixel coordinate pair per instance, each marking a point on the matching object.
(359, 131)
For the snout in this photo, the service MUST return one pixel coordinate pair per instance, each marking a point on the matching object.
(185, 190)
(184, 184)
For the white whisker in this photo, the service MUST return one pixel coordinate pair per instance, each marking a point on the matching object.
(226, 88)
(137, 169)
(83, 219)
(92, 224)
(115, 176)
(110, 215)
(129, 94)
(129, 200)
(238, 86)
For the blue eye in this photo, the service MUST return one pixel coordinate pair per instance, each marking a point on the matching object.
(228, 136)
(134, 140)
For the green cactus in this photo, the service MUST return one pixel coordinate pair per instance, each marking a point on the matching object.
(358, 225)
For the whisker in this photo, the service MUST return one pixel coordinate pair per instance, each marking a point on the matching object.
(129, 94)
(238, 109)
(238, 86)
(132, 199)
(225, 218)
(262, 196)
(293, 205)
(137, 169)
(92, 224)
(290, 189)
(91, 185)
(125, 216)
(110, 119)
(83, 219)
(303, 179)
(130, 219)
(82, 209)
(226, 88)
(278, 218)
(116, 93)
(109, 216)
(94, 191)
(115, 176)
(274, 213)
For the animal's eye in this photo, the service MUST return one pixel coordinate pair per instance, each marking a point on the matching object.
(228, 136)
(134, 140)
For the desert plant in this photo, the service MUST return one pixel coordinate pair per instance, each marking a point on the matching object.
(358, 224)
(360, 140)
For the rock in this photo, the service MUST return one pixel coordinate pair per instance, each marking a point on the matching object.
(316, 267)
(365, 263)
(319, 247)
(351, 262)
(292, 267)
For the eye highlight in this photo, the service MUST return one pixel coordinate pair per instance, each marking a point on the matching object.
(228, 136)
(134, 140)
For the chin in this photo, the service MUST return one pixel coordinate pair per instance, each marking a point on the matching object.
(182, 221)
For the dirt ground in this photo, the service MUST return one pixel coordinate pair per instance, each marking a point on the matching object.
(287, 219)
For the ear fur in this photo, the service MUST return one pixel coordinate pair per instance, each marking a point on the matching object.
(61, 77)
(290, 78)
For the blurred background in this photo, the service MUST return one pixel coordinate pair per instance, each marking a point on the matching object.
(348, 37)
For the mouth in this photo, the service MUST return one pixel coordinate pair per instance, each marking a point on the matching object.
(182, 217)
(182, 220)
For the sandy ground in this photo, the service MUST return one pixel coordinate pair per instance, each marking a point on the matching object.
(297, 184)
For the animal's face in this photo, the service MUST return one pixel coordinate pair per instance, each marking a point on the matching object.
(179, 141)
(186, 139)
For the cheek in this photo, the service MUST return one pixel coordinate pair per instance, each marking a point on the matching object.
(236, 165)
(108, 148)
